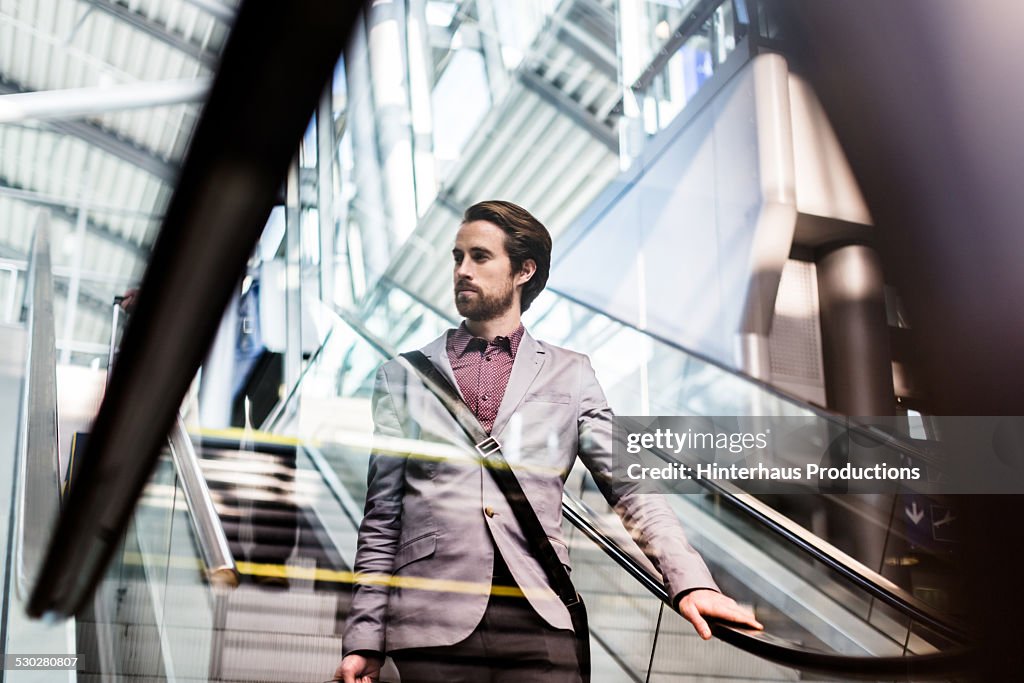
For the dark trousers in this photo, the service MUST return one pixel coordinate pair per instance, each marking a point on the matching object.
(511, 644)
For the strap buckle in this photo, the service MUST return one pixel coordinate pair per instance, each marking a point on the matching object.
(575, 601)
(488, 447)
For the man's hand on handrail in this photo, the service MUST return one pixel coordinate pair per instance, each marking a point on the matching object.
(704, 602)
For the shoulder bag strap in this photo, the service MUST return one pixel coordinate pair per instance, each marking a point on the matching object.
(489, 450)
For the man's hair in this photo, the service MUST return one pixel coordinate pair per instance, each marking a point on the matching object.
(525, 238)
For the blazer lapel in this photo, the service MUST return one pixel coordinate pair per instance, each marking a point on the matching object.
(529, 360)
(437, 352)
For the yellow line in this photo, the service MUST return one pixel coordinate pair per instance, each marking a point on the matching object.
(410, 582)
(379, 446)
(336, 576)
(250, 435)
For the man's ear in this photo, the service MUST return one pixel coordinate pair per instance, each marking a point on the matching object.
(526, 271)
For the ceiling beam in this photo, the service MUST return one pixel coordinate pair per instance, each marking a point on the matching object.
(105, 139)
(120, 147)
(87, 300)
(70, 214)
(76, 103)
(45, 199)
(216, 9)
(571, 108)
(155, 30)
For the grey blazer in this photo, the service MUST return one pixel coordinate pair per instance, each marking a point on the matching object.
(425, 554)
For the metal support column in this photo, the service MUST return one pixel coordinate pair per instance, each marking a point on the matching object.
(325, 156)
(389, 76)
(497, 75)
(368, 245)
(854, 332)
(71, 303)
(631, 125)
(420, 68)
(293, 278)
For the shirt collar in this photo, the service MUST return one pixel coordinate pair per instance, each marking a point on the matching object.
(461, 340)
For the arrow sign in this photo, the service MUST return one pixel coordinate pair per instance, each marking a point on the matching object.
(915, 514)
(945, 520)
(944, 524)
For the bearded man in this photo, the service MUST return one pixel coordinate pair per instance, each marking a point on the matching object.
(466, 599)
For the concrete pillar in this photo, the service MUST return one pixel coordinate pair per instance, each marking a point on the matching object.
(854, 332)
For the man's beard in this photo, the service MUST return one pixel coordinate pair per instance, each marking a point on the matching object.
(481, 307)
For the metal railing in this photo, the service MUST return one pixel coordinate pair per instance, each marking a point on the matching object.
(762, 644)
(38, 479)
(772, 648)
(213, 543)
(218, 561)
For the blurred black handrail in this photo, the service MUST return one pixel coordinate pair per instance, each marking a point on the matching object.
(275, 63)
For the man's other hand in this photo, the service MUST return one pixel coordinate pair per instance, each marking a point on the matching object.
(705, 602)
(356, 668)
(129, 299)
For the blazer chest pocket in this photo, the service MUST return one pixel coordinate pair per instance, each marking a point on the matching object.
(548, 397)
(416, 549)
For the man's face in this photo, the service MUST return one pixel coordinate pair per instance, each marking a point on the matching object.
(485, 286)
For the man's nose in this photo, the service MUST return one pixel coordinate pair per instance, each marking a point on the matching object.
(464, 271)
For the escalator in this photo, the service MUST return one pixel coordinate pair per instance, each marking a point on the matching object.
(131, 554)
(159, 612)
(287, 511)
(807, 591)
(645, 375)
(291, 526)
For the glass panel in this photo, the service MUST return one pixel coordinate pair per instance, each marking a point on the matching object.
(623, 615)
(119, 632)
(189, 603)
(157, 616)
(693, 63)
(11, 286)
(798, 599)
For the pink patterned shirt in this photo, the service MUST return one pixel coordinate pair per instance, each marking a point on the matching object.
(482, 369)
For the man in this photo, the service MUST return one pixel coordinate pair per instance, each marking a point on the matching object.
(482, 608)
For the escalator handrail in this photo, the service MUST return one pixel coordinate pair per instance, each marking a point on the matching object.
(273, 68)
(38, 480)
(764, 645)
(767, 646)
(820, 550)
(909, 667)
(214, 548)
(274, 417)
(870, 431)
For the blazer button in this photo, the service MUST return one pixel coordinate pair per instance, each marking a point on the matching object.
(489, 511)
